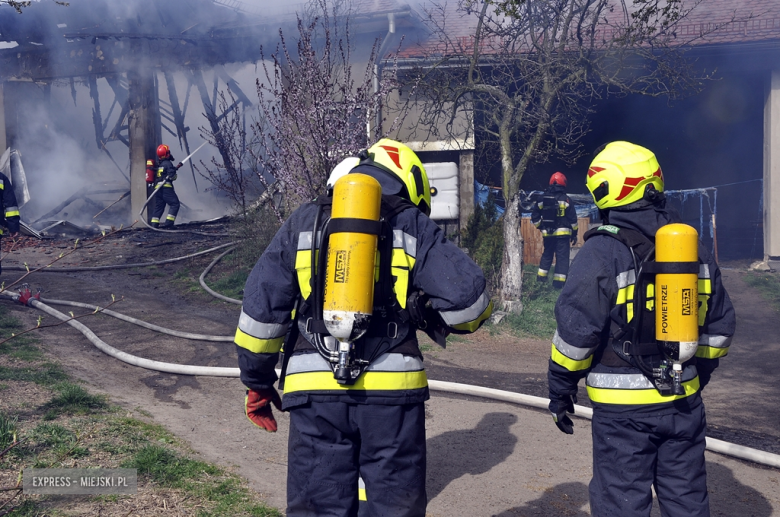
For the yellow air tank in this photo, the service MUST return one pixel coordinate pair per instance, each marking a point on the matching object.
(349, 282)
(676, 294)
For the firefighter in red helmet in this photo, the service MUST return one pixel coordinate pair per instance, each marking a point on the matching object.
(554, 215)
(166, 173)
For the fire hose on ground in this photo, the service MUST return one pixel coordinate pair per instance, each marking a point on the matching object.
(47, 269)
(714, 445)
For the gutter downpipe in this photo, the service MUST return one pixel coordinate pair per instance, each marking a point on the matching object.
(378, 72)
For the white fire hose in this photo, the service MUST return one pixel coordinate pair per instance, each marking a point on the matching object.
(714, 445)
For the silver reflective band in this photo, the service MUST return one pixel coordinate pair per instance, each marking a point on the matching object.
(11, 209)
(392, 362)
(304, 240)
(630, 381)
(452, 318)
(572, 352)
(403, 240)
(254, 328)
(715, 341)
(80, 481)
(625, 279)
(704, 271)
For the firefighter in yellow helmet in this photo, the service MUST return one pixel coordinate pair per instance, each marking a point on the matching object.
(372, 425)
(644, 432)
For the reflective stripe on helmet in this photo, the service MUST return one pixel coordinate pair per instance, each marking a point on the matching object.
(620, 174)
(402, 162)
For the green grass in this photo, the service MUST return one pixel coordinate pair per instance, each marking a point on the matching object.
(7, 430)
(169, 469)
(45, 374)
(231, 284)
(18, 347)
(538, 316)
(86, 423)
(73, 399)
(768, 284)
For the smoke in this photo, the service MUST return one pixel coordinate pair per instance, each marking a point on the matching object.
(53, 124)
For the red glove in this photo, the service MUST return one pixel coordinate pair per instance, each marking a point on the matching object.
(258, 409)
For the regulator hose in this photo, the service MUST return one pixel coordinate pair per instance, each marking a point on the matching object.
(714, 445)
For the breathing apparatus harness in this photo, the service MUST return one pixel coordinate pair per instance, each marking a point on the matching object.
(550, 213)
(637, 342)
(387, 312)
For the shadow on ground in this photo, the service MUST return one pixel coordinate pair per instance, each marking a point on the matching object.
(564, 500)
(469, 451)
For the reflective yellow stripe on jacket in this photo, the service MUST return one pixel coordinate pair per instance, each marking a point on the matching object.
(635, 388)
(570, 357)
(402, 262)
(390, 372)
(259, 337)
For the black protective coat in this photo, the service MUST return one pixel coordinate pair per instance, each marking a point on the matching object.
(166, 171)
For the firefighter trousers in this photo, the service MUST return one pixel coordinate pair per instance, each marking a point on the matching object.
(558, 247)
(331, 442)
(166, 196)
(632, 453)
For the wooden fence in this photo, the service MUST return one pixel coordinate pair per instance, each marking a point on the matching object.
(533, 248)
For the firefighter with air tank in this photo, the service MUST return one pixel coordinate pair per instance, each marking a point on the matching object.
(164, 178)
(644, 318)
(344, 285)
(553, 214)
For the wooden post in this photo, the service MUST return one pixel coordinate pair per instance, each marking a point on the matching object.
(142, 121)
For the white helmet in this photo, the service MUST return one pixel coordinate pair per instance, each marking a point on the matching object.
(342, 169)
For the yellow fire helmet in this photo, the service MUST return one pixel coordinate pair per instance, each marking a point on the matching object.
(620, 173)
(398, 159)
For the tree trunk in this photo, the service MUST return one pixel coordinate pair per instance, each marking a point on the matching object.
(512, 266)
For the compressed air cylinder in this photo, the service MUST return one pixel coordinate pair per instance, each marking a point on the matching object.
(349, 284)
(677, 294)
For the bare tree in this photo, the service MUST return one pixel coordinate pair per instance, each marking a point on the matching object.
(313, 111)
(314, 107)
(527, 77)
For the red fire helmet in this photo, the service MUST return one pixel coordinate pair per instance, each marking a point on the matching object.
(556, 179)
(163, 151)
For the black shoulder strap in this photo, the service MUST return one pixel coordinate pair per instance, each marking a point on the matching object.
(635, 240)
(393, 205)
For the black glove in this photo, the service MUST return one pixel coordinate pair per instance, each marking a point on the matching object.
(559, 407)
(574, 238)
(179, 165)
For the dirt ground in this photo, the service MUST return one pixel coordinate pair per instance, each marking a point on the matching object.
(485, 458)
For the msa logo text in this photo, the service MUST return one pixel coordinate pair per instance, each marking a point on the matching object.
(686, 302)
(341, 266)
